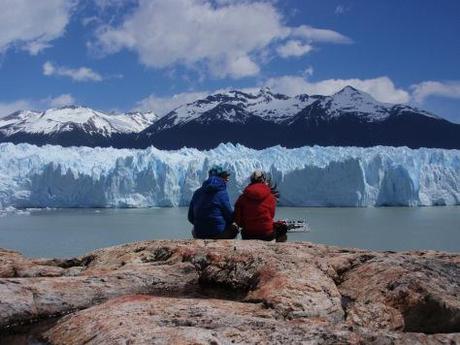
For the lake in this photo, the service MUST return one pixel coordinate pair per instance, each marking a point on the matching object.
(70, 232)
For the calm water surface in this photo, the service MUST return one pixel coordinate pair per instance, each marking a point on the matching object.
(69, 232)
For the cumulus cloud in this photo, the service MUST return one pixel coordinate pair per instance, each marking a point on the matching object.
(227, 38)
(76, 74)
(294, 48)
(7, 108)
(108, 4)
(32, 25)
(163, 105)
(381, 88)
(64, 99)
(427, 89)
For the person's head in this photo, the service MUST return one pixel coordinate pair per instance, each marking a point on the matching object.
(217, 170)
(258, 176)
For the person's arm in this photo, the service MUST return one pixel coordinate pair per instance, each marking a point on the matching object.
(226, 208)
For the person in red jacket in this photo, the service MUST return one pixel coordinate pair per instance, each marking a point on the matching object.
(255, 211)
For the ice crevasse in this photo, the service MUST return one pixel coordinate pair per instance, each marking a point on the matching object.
(53, 176)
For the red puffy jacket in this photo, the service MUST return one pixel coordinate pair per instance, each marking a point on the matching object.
(255, 210)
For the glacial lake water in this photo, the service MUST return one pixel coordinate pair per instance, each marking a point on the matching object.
(70, 232)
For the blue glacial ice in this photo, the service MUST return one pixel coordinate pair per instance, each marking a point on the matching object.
(53, 176)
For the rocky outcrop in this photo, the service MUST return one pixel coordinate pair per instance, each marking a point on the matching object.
(243, 292)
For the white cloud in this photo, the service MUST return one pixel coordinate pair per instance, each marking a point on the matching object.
(7, 108)
(226, 38)
(163, 105)
(64, 99)
(77, 74)
(308, 72)
(294, 48)
(32, 25)
(427, 89)
(234, 66)
(319, 35)
(381, 88)
(340, 9)
(106, 4)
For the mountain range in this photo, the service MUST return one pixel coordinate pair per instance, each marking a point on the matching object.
(348, 118)
(74, 126)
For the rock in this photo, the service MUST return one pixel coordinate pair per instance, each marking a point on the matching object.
(243, 292)
(159, 320)
(404, 293)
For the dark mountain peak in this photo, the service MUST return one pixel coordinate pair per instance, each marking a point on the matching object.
(130, 113)
(351, 98)
(349, 90)
(229, 96)
(303, 97)
(268, 94)
(72, 107)
(265, 91)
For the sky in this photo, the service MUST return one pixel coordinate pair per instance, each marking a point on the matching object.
(143, 55)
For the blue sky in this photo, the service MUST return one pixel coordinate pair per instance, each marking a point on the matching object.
(120, 55)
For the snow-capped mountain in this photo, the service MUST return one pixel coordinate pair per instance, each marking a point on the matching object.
(348, 118)
(73, 125)
(258, 120)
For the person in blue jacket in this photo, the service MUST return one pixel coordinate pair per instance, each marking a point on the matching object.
(210, 211)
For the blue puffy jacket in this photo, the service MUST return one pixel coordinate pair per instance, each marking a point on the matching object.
(210, 211)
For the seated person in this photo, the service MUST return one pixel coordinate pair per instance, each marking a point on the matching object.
(210, 211)
(255, 210)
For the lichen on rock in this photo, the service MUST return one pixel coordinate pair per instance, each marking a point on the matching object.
(243, 292)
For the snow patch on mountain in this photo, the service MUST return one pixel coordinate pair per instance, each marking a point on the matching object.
(53, 176)
(68, 118)
(264, 104)
(400, 109)
(276, 107)
(350, 100)
(280, 108)
(16, 117)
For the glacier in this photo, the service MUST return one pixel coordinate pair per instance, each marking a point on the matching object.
(54, 176)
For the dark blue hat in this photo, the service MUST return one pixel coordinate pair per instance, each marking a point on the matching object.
(217, 170)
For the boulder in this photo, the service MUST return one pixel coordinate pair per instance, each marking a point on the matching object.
(242, 292)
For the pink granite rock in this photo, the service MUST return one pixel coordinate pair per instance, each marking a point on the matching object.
(246, 292)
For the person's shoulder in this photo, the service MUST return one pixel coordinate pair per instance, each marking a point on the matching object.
(238, 200)
(198, 191)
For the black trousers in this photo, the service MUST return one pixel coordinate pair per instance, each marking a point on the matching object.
(279, 234)
(228, 234)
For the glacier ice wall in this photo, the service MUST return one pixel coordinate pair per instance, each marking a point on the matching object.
(53, 176)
